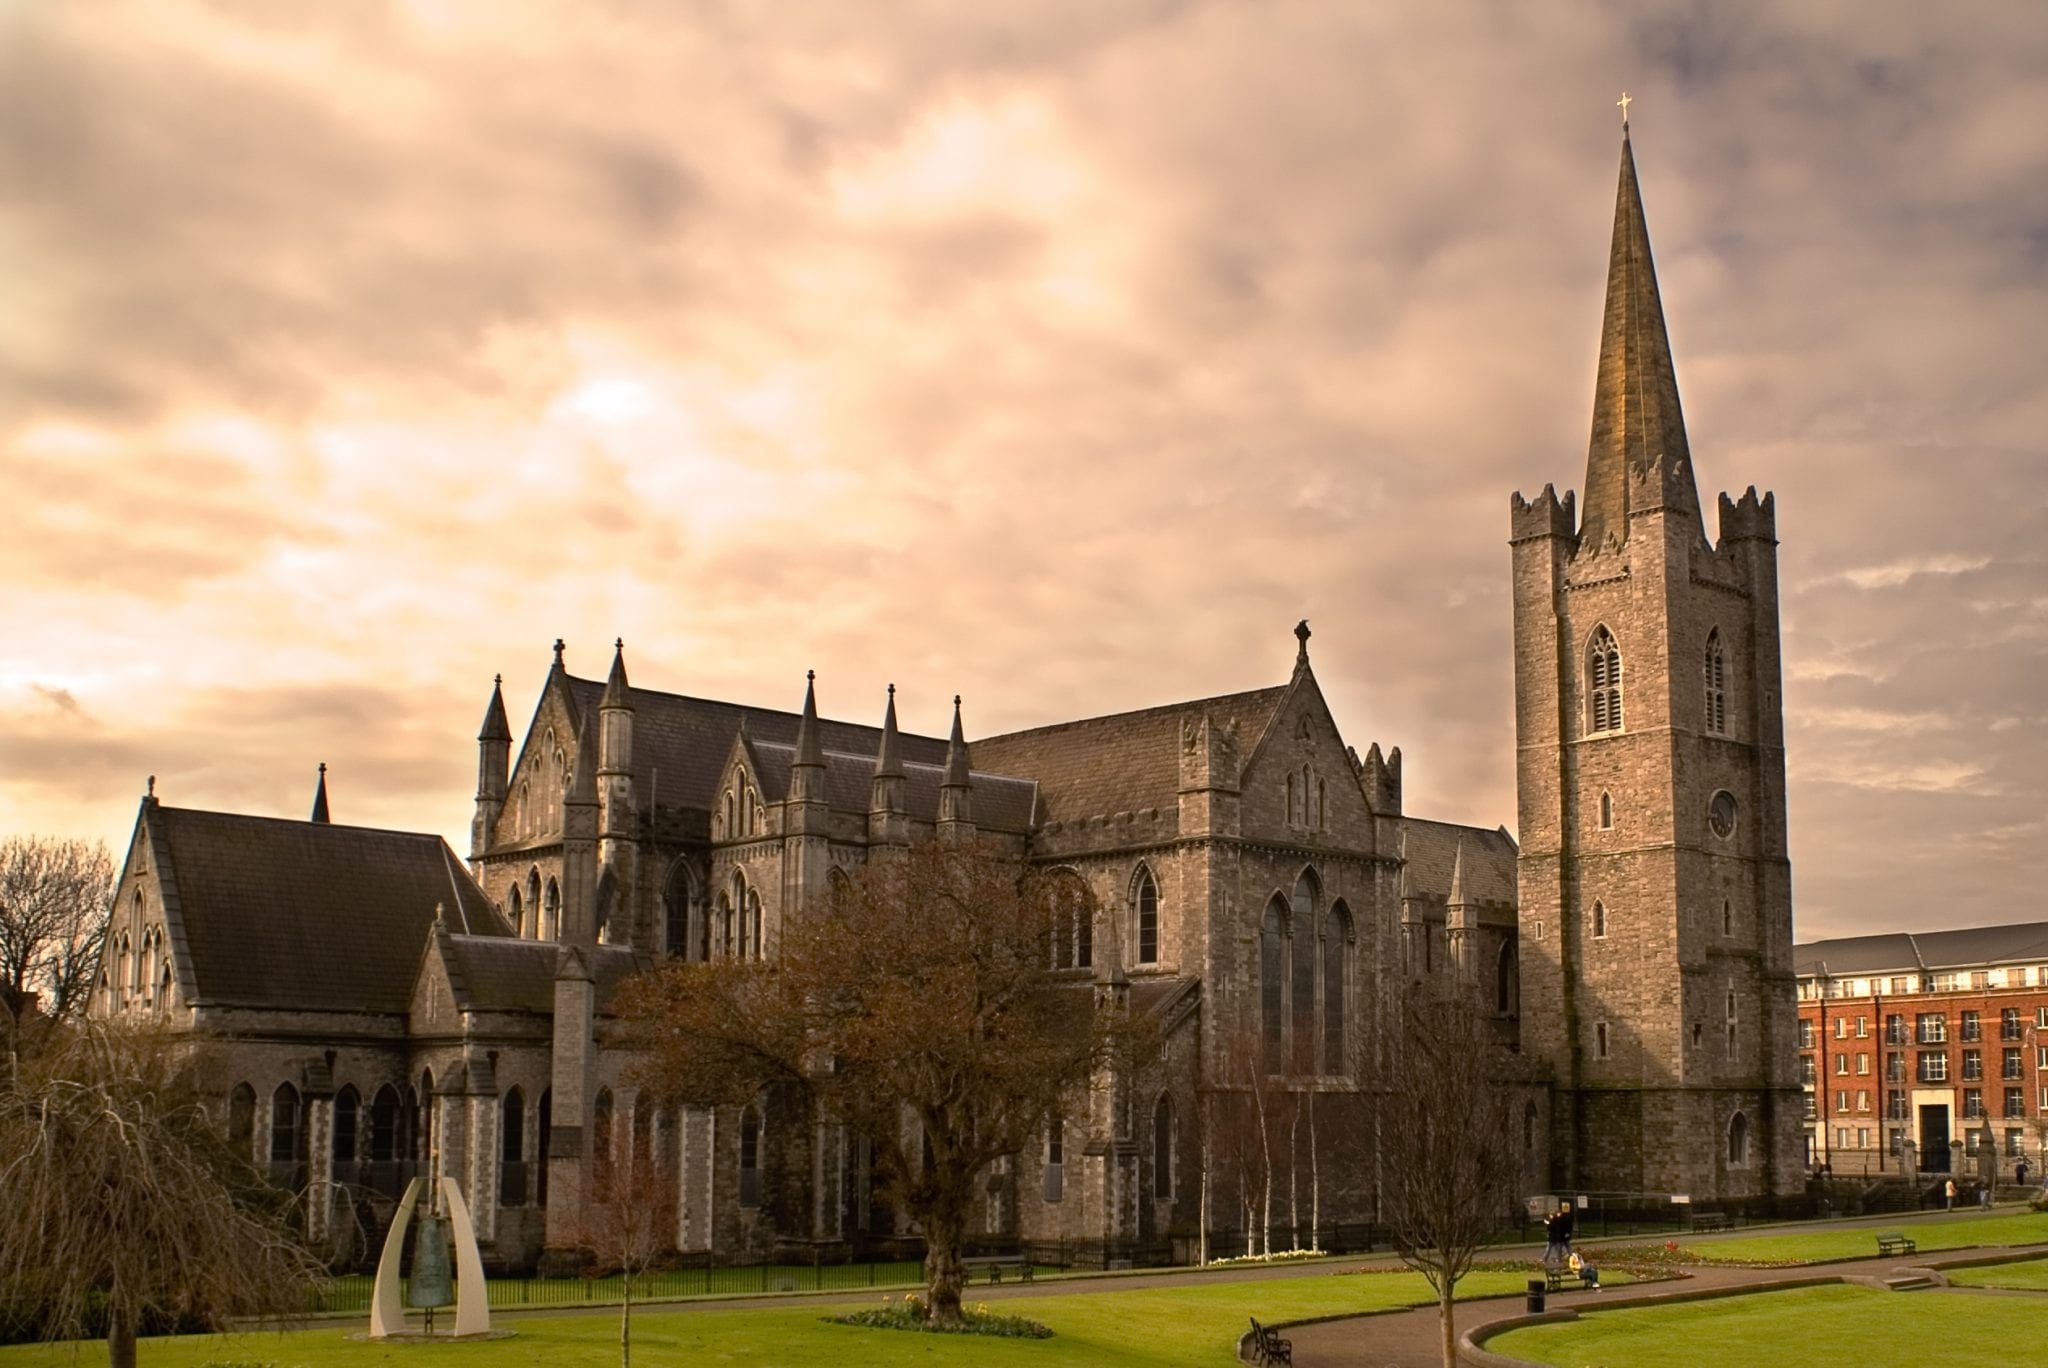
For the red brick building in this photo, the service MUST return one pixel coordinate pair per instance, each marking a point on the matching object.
(1928, 1051)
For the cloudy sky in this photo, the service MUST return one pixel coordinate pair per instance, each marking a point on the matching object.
(1061, 355)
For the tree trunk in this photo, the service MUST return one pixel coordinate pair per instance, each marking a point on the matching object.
(120, 1337)
(1450, 1328)
(942, 1269)
(1315, 1178)
(626, 1322)
(1293, 1170)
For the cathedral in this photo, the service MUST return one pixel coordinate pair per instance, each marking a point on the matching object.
(383, 1008)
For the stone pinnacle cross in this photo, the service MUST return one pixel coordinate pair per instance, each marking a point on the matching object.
(1623, 103)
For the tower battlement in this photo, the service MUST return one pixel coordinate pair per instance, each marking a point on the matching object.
(1749, 518)
(1544, 516)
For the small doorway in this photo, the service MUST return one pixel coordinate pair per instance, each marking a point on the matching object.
(1933, 1139)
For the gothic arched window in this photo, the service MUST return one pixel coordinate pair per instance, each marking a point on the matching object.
(1272, 985)
(1301, 927)
(1738, 1141)
(385, 1141)
(727, 945)
(678, 906)
(285, 1130)
(1072, 918)
(754, 921)
(750, 1158)
(1147, 905)
(1162, 1149)
(1336, 952)
(533, 898)
(1603, 682)
(512, 1150)
(1507, 982)
(1606, 812)
(551, 921)
(515, 907)
(348, 1108)
(1715, 682)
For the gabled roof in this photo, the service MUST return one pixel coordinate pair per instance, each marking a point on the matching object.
(1908, 952)
(1125, 762)
(680, 744)
(1432, 850)
(307, 915)
(508, 974)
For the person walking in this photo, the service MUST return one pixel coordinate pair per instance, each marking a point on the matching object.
(2019, 1173)
(1949, 1191)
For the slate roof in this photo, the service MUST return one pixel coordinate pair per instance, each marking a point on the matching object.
(308, 915)
(680, 744)
(1962, 948)
(1001, 802)
(1432, 848)
(1125, 762)
(507, 974)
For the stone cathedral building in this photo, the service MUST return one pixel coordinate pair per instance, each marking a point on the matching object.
(384, 1007)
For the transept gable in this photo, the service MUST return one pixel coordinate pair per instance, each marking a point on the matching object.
(1300, 778)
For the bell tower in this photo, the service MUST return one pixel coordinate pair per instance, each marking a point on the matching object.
(1654, 888)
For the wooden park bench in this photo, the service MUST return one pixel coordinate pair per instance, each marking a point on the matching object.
(1268, 1348)
(996, 1264)
(1710, 1220)
(1895, 1243)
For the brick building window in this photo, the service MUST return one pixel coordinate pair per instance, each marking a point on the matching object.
(1973, 1103)
(1805, 1033)
(1933, 1067)
(1863, 1028)
(1841, 1066)
(2012, 1140)
(2009, 1063)
(2008, 1023)
(1715, 680)
(1603, 681)
(1862, 1099)
(1863, 1064)
(2015, 1105)
(1894, 1027)
(1899, 986)
(1933, 1027)
(1894, 1068)
(1806, 1070)
(1973, 1026)
(1980, 979)
(1895, 1107)
(1973, 1064)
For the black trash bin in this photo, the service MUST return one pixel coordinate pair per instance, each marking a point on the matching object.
(1536, 1286)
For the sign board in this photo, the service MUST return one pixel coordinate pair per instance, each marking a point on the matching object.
(1681, 1199)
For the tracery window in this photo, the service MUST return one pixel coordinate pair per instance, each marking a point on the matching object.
(1073, 916)
(1272, 985)
(1336, 947)
(1716, 686)
(1603, 682)
(1301, 926)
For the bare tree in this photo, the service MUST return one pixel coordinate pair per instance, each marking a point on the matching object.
(54, 899)
(918, 1007)
(628, 1225)
(1446, 1147)
(123, 1199)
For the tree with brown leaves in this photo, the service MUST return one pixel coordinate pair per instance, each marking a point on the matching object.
(1447, 1154)
(918, 1007)
(123, 1200)
(54, 899)
(628, 1223)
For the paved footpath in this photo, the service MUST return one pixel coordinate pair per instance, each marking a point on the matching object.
(1414, 1339)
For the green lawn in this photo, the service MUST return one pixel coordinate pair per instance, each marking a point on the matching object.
(1146, 1328)
(1858, 1325)
(1827, 1246)
(352, 1293)
(2031, 1276)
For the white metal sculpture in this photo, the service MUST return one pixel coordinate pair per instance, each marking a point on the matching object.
(472, 1294)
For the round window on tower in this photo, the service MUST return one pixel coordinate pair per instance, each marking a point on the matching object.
(1721, 814)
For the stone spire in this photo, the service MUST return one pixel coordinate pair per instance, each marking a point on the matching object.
(888, 823)
(615, 752)
(807, 768)
(1639, 459)
(956, 792)
(320, 795)
(493, 770)
(1458, 915)
(808, 751)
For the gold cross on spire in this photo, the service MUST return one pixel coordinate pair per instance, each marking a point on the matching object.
(1624, 102)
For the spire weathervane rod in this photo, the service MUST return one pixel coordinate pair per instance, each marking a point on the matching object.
(1623, 103)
